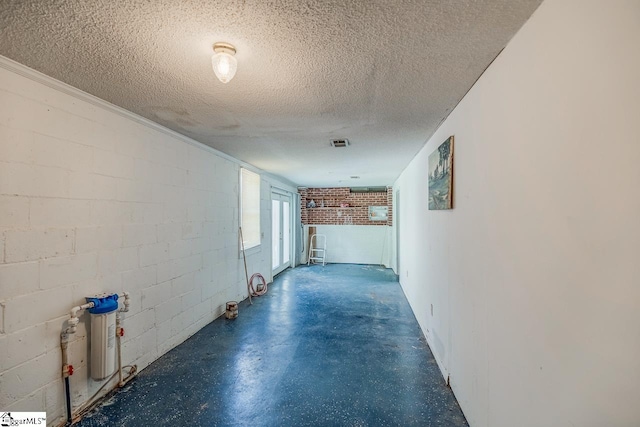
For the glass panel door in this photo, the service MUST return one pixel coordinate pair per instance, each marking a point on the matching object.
(281, 227)
(275, 234)
(286, 229)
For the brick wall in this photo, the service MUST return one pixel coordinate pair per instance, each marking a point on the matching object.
(328, 210)
(390, 206)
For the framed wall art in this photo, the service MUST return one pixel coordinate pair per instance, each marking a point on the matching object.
(441, 176)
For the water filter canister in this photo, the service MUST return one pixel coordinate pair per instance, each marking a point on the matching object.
(103, 335)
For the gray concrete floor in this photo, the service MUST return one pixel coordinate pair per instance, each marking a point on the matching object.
(326, 346)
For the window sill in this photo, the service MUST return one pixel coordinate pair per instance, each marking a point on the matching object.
(250, 251)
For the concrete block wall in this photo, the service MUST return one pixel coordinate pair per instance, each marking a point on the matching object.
(95, 200)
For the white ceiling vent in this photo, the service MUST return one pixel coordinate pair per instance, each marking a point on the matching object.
(338, 143)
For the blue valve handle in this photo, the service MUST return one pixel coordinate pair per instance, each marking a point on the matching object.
(104, 304)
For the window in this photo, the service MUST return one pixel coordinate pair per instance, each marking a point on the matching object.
(250, 208)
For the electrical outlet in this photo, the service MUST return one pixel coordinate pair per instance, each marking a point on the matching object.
(407, 272)
(431, 310)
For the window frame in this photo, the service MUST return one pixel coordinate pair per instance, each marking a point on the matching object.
(255, 244)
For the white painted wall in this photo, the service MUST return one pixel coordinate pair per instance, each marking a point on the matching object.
(94, 200)
(356, 244)
(535, 275)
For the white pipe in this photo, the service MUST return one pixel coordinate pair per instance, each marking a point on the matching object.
(125, 295)
(73, 319)
(119, 345)
(72, 325)
(119, 333)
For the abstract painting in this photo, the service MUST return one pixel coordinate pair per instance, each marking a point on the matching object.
(441, 176)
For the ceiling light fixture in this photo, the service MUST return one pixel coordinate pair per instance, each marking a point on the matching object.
(224, 62)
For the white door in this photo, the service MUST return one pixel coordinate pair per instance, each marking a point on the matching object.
(281, 220)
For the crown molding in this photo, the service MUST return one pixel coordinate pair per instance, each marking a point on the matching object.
(38, 77)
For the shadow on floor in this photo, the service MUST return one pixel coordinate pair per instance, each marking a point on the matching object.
(326, 346)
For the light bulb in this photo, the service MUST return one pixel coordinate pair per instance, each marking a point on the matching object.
(223, 65)
(223, 62)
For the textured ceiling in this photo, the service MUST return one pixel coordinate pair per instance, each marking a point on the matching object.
(381, 73)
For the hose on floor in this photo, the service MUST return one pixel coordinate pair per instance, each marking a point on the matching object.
(261, 288)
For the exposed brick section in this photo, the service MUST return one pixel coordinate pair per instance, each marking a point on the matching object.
(303, 203)
(390, 206)
(328, 210)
